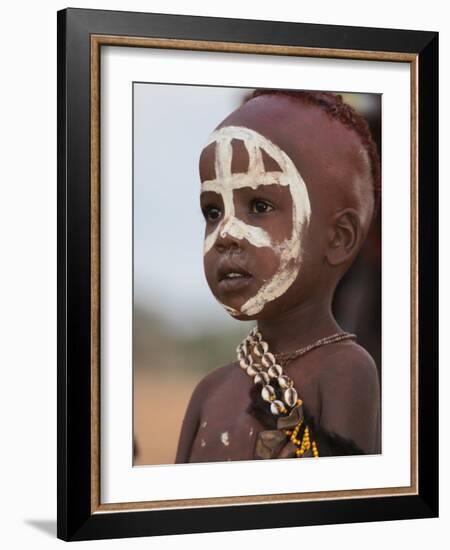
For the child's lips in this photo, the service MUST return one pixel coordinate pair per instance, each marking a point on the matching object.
(232, 276)
(228, 284)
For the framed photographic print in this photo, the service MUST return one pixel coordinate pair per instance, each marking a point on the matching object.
(247, 274)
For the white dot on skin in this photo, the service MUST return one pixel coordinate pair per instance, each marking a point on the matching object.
(250, 433)
(225, 438)
(202, 443)
(204, 424)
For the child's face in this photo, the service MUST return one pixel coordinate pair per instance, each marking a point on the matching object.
(256, 207)
(274, 175)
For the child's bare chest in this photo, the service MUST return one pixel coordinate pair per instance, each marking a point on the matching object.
(226, 430)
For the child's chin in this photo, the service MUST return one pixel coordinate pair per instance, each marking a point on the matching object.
(239, 315)
(242, 317)
(270, 310)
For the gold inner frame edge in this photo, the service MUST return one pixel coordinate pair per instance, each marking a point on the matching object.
(211, 46)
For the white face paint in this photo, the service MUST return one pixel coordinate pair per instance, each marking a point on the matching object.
(225, 438)
(226, 182)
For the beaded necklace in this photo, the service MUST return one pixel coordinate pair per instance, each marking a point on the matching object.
(266, 370)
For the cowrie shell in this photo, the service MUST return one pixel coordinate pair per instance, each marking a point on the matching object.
(262, 378)
(268, 393)
(284, 382)
(261, 348)
(290, 397)
(268, 359)
(275, 371)
(252, 371)
(277, 407)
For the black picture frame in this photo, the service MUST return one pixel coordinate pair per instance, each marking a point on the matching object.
(78, 515)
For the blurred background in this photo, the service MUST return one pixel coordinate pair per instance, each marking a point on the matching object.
(180, 332)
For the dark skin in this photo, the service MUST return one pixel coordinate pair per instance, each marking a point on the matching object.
(338, 382)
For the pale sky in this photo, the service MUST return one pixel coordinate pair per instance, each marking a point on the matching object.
(171, 125)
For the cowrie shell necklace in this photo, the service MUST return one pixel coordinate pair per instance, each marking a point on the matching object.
(255, 358)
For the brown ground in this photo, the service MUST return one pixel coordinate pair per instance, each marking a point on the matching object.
(159, 406)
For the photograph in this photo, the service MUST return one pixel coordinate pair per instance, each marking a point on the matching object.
(257, 273)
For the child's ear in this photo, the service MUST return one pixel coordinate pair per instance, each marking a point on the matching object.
(345, 237)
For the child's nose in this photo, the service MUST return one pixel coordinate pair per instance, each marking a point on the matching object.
(229, 235)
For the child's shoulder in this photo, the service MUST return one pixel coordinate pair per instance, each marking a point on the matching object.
(345, 357)
(216, 377)
(345, 367)
(340, 367)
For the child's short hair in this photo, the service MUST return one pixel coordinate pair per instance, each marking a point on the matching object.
(334, 106)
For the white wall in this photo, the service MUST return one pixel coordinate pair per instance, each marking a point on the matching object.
(28, 270)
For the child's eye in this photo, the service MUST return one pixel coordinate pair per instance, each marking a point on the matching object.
(259, 206)
(212, 213)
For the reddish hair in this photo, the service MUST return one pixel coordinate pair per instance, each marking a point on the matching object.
(334, 106)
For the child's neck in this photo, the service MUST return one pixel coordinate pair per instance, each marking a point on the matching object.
(299, 326)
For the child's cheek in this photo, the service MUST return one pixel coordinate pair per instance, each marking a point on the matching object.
(280, 227)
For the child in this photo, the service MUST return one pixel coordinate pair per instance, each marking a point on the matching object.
(290, 185)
